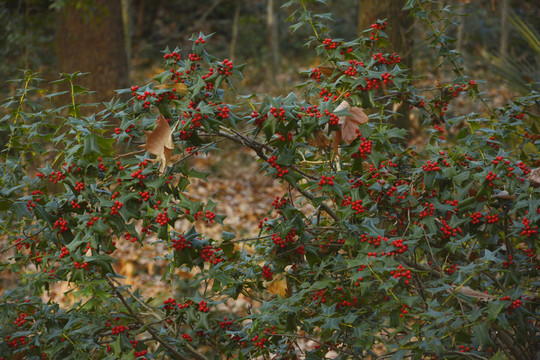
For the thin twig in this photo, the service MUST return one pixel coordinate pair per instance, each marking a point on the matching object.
(151, 330)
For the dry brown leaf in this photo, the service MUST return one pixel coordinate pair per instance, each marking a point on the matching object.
(465, 290)
(534, 177)
(504, 195)
(179, 87)
(159, 142)
(348, 124)
(279, 286)
(327, 71)
(320, 139)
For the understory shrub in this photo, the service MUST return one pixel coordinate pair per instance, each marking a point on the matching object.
(381, 246)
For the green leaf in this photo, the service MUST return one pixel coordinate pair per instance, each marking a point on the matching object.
(481, 335)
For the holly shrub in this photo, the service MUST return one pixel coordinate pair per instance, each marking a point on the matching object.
(375, 249)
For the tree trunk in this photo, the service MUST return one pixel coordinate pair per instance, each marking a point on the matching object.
(272, 41)
(461, 27)
(503, 49)
(91, 39)
(399, 32)
(234, 36)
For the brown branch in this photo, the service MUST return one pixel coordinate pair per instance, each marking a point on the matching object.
(258, 148)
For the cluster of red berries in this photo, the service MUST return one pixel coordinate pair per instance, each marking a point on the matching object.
(449, 231)
(371, 84)
(80, 265)
(319, 296)
(208, 254)
(492, 219)
(475, 217)
(65, 252)
(17, 342)
(194, 57)
(21, 319)
(431, 166)
(491, 176)
(185, 305)
(529, 230)
(282, 242)
(281, 171)
(326, 180)
(330, 241)
(225, 67)
(140, 353)
(118, 131)
(120, 329)
(92, 221)
(225, 324)
(117, 206)
(401, 273)
(315, 74)
(203, 306)
(259, 119)
(267, 273)
(452, 269)
(464, 348)
(355, 205)
(404, 310)
(365, 146)
(223, 112)
(284, 138)
(279, 202)
(514, 305)
(162, 218)
(509, 262)
(55, 176)
(379, 26)
(259, 341)
(173, 56)
(386, 78)
(180, 243)
(429, 210)
(169, 304)
(388, 60)
(61, 224)
(329, 44)
(327, 95)
(278, 113)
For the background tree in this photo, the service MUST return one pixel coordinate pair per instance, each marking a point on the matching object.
(90, 38)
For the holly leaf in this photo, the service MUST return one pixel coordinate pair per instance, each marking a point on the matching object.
(159, 142)
(348, 124)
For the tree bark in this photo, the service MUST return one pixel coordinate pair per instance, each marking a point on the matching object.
(272, 37)
(503, 49)
(234, 36)
(91, 39)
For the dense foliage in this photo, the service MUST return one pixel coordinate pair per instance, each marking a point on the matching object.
(423, 252)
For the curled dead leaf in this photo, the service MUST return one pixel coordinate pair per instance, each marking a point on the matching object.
(159, 142)
(534, 177)
(279, 286)
(348, 124)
